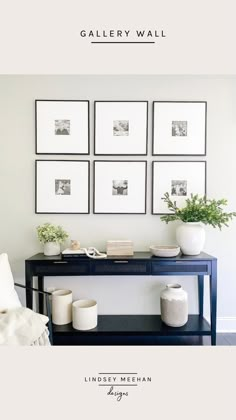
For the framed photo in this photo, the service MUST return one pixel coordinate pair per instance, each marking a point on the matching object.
(120, 187)
(62, 186)
(179, 179)
(120, 127)
(179, 128)
(62, 127)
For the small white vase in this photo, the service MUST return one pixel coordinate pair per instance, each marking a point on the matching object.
(191, 238)
(51, 248)
(174, 305)
(84, 314)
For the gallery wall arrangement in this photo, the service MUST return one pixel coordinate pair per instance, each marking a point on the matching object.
(62, 186)
(62, 127)
(120, 128)
(180, 179)
(120, 187)
(179, 128)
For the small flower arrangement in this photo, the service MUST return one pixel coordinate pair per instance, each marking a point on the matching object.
(198, 209)
(51, 233)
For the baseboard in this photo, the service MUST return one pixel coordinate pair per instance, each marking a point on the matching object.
(226, 324)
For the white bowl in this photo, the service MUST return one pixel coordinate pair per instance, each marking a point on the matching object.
(164, 251)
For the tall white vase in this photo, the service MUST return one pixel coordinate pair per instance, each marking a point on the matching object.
(191, 238)
(174, 305)
(61, 307)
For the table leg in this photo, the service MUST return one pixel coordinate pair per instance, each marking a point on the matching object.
(200, 294)
(28, 283)
(213, 300)
(41, 296)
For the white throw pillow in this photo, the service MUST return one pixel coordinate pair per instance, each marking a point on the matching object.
(8, 296)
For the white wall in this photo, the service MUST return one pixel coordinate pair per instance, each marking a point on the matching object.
(17, 155)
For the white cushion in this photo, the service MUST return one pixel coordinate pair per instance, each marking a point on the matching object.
(8, 295)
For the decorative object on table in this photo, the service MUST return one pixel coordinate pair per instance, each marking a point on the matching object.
(71, 253)
(62, 186)
(174, 305)
(179, 128)
(120, 127)
(62, 127)
(51, 236)
(75, 245)
(120, 187)
(84, 314)
(190, 235)
(120, 248)
(179, 179)
(62, 307)
(164, 251)
(90, 252)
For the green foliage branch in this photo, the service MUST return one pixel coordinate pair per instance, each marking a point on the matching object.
(51, 233)
(199, 209)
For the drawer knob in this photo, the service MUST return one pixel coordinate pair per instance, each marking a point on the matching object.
(121, 262)
(60, 262)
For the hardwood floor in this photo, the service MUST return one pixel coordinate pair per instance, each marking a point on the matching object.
(226, 339)
(223, 339)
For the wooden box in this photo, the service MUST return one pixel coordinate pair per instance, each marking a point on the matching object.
(120, 248)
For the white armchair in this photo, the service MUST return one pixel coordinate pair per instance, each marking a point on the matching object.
(19, 325)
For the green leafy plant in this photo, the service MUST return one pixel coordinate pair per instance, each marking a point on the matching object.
(51, 233)
(198, 209)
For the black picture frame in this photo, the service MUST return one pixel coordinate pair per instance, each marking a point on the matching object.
(154, 129)
(176, 161)
(95, 125)
(36, 186)
(37, 152)
(94, 186)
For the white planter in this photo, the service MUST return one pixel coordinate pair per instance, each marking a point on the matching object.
(51, 248)
(191, 238)
(174, 305)
(84, 314)
(62, 307)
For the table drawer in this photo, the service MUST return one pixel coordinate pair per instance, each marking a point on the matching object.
(63, 268)
(180, 267)
(119, 267)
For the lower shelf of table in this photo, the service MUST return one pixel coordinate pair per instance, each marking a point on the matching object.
(128, 329)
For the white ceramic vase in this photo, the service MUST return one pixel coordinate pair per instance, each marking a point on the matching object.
(84, 314)
(62, 307)
(51, 248)
(174, 305)
(191, 238)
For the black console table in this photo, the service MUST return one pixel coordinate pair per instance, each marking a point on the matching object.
(128, 329)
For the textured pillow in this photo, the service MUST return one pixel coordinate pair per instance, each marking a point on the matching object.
(8, 295)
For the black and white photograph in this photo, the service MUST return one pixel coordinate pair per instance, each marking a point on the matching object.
(62, 186)
(178, 187)
(178, 179)
(120, 187)
(179, 128)
(120, 128)
(62, 127)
